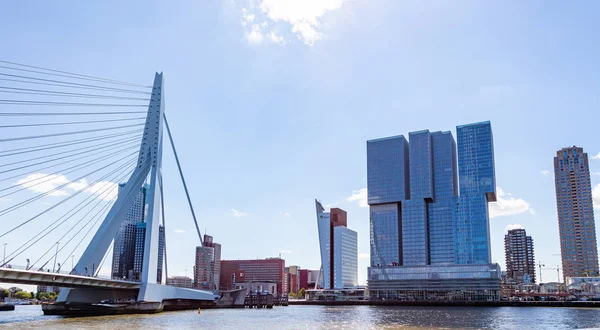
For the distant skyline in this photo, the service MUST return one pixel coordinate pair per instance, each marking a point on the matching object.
(271, 103)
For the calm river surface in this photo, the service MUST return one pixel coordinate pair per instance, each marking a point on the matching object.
(321, 317)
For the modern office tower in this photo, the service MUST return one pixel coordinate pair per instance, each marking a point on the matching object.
(346, 253)
(520, 263)
(427, 241)
(207, 270)
(345, 258)
(124, 243)
(576, 223)
(138, 261)
(259, 270)
(477, 187)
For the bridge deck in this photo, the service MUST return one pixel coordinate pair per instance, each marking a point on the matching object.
(20, 276)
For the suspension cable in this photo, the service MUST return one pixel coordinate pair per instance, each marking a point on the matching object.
(26, 185)
(75, 74)
(71, 122)
(21, 204)
(13, 114)
(187, 195)
(63, 157)
(67, 133)
(75, 152)
(28, 91)
(73, 84)
(47, 167)
(65, 217)
(73, 227)
(50, 103)
(119, 208)
(66, 143)
(98, 88)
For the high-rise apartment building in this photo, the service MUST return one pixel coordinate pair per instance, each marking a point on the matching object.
(138, 260)
(207, 270)
(575, 207)
(128, 250)
(520, 263)
(338, 246)
(124, 243)
(428, 238)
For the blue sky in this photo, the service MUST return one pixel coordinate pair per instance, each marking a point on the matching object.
(271, 102)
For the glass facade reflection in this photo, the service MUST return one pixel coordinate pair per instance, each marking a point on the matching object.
(477, 188)
(420, 219)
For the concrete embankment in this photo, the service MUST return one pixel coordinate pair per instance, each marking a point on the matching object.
(588, 304)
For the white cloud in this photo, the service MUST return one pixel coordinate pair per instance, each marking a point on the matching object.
(596, 196)
(508, 205)
(261, 18)
(276, 39)
(5, 200)
(43, 183)
(545, 172)
(597, 156)
(237, 213)
(514, 226)
(363, 256)
(179, 231)
(285, 251)
(360, 196)
(285, 214)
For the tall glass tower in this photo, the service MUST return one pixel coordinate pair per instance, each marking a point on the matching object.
(576, 224)
(477, 188)
(427, 240)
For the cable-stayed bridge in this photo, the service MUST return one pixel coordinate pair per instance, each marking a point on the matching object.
(75, 151)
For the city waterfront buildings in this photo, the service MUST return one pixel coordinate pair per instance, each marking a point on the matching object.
(124, 243)
(430, 239)
(259, 270)
(128, 249)
(338, 246)
(293, 278)
(207, 270)
(519, 255)
(577, 229)
(308, 279)
(180, 281)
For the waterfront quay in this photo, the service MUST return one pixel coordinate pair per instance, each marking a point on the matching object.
(588, 304)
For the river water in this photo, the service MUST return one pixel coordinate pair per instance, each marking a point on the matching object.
(321, 317)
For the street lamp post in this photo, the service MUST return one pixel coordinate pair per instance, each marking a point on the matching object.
(72, 258)
(55, 255)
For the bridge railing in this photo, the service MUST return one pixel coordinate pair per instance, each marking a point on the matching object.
(48, 270)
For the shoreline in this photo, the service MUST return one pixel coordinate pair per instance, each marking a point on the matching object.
(587, 304)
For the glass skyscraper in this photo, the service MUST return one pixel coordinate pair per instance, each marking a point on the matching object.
(576, 223)
(477, 188)
(339, 249)
(422, 229)
(128, 247)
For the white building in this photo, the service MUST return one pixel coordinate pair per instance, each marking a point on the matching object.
(339, 249)
(323, 223)
(345, 258)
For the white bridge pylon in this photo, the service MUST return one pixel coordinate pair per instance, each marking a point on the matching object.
(149, 163)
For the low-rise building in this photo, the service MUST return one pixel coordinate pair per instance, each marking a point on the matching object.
(258, 287)
(180, 281)
(258, 270)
